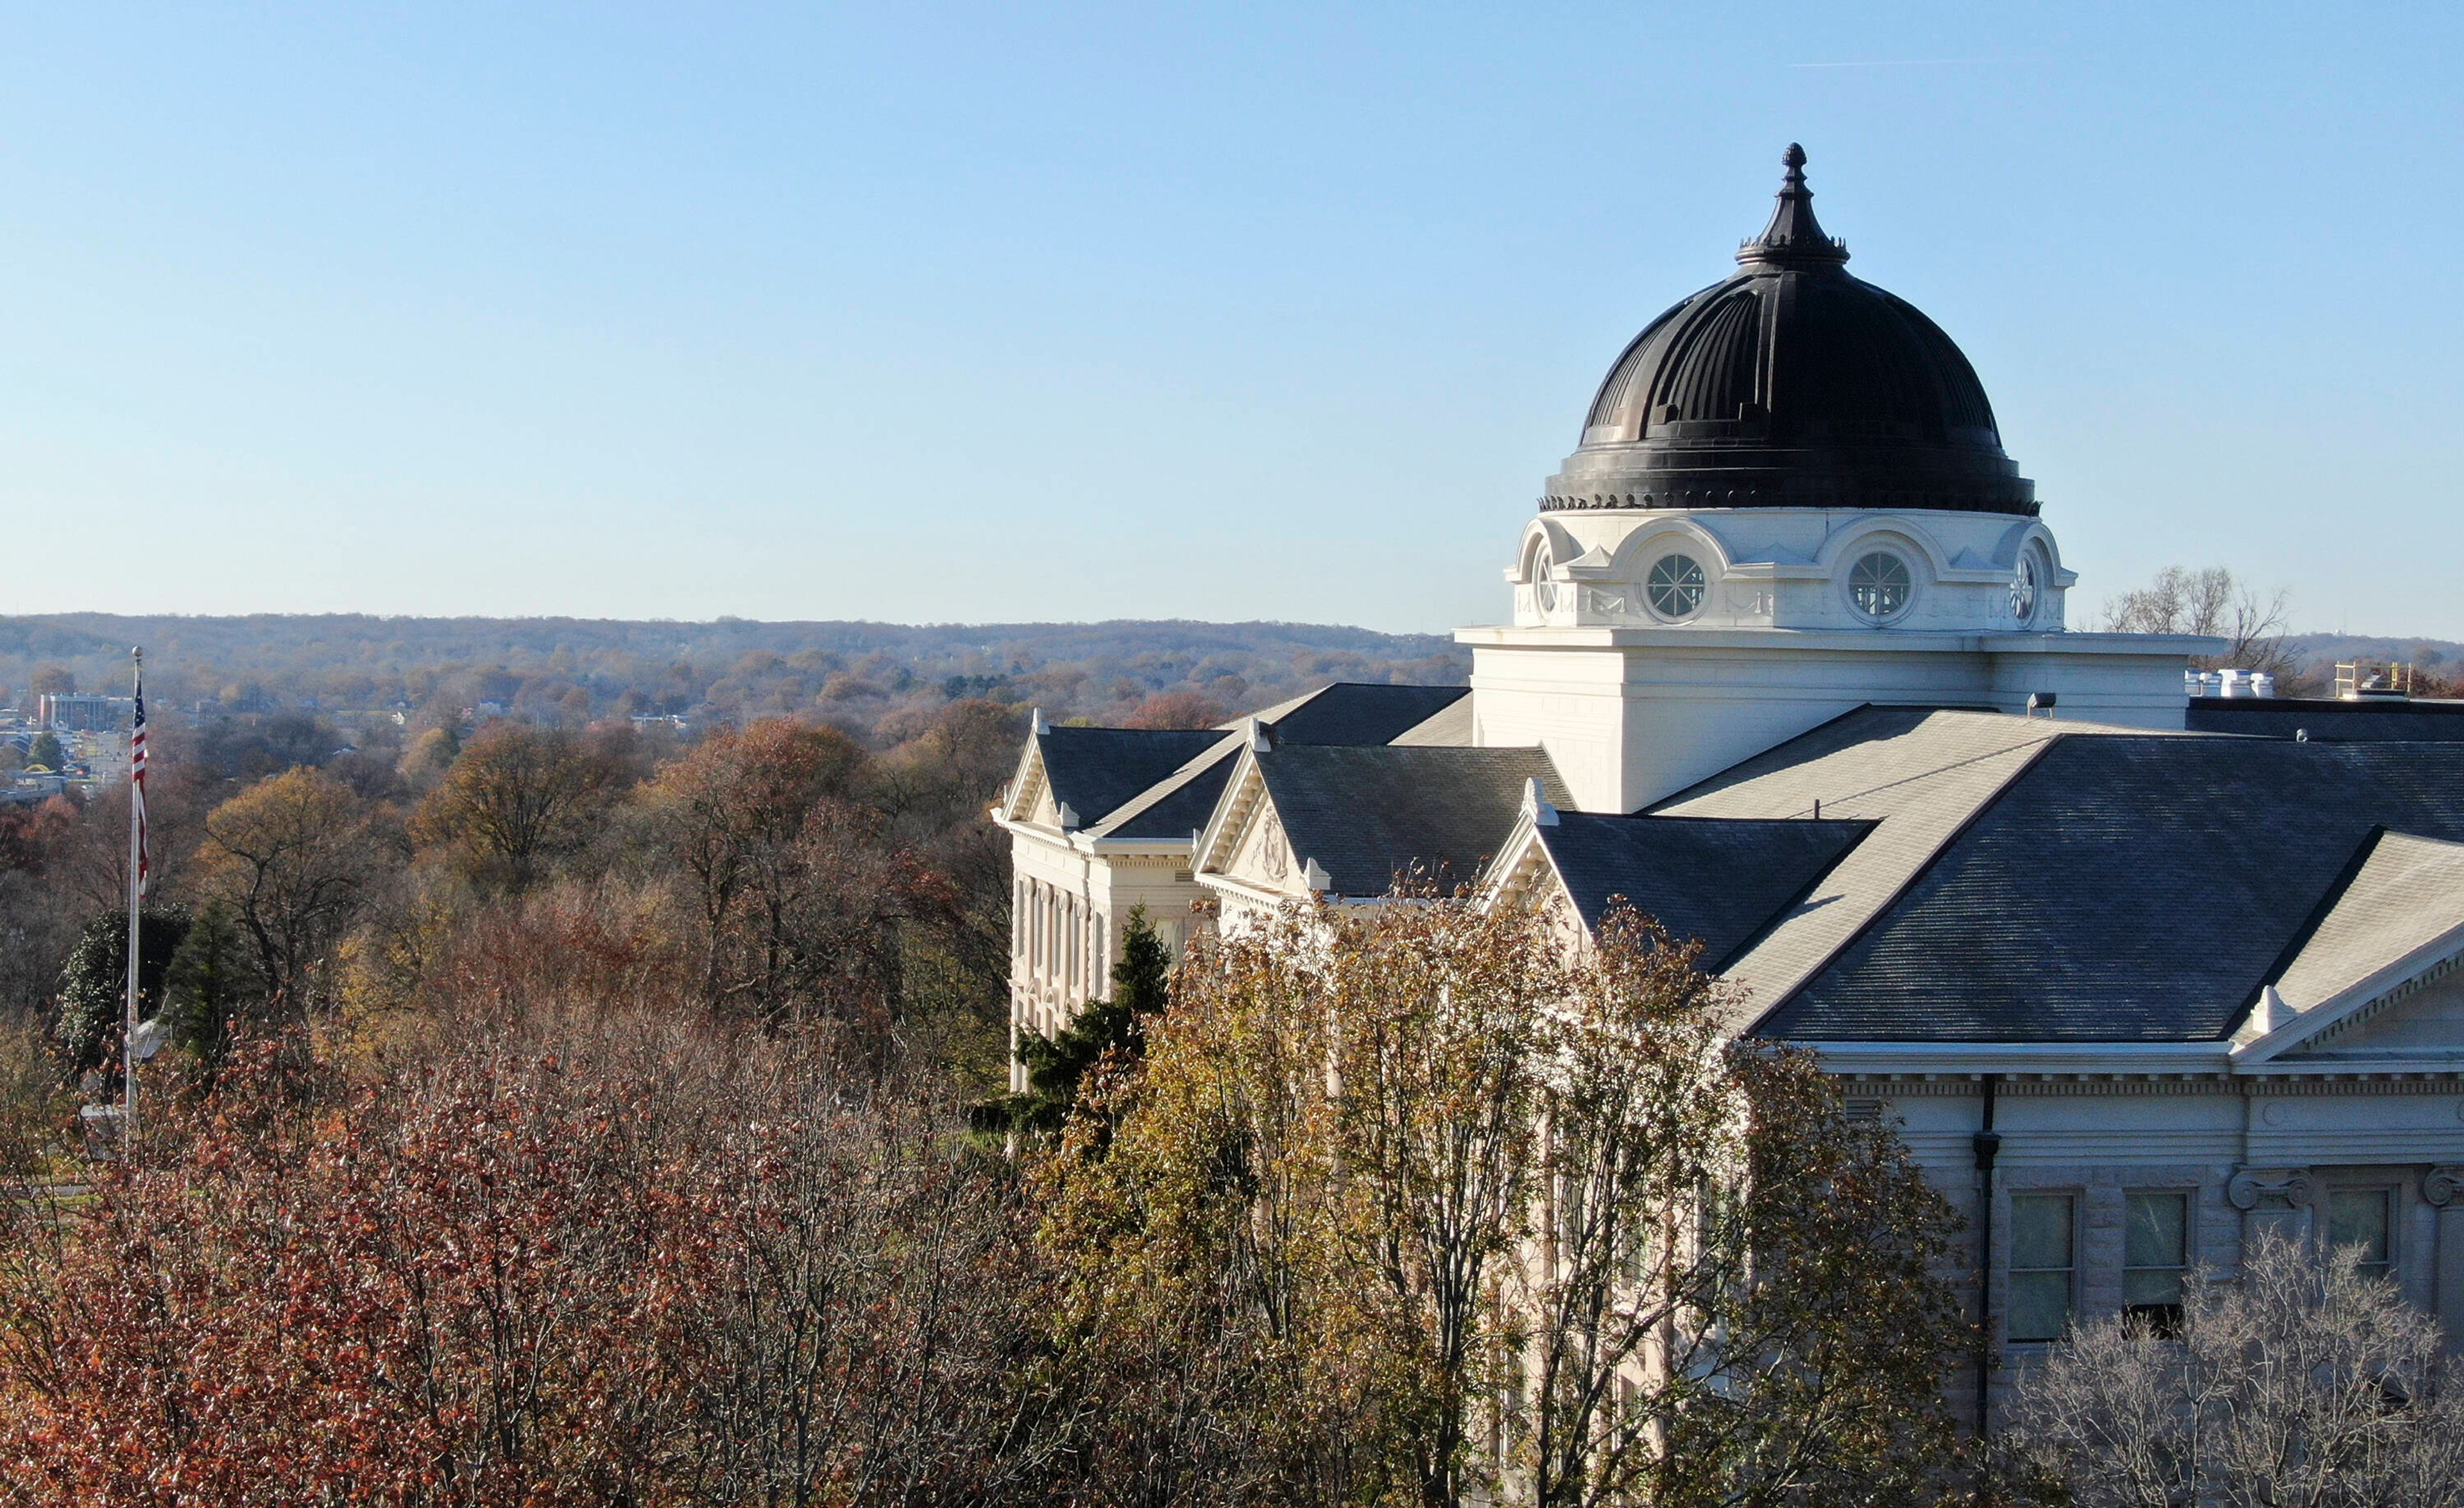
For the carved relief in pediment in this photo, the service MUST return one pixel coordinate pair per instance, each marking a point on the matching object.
(1266, 856)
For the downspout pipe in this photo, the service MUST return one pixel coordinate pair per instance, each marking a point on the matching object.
(1988, 1142)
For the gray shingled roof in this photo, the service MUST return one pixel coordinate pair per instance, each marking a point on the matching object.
(2330, 721)
(1361, 712)
(2123, 888)
(1180, 804)
(2406, 894)
(1098, 770)
(1164, 785)
(1713, 878)
(1367, 814)
(1920, 773)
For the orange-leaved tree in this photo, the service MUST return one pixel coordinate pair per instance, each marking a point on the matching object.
(620, 1264)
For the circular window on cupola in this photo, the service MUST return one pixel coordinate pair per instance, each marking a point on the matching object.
(1674, 586)
(2023, 590)
(1878, 585)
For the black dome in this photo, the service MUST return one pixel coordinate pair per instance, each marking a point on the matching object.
(1791, 385)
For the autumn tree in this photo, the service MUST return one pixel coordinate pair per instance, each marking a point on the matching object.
(32, 836)
(621, 1263)
(40, 914)
(732, 815)
(1176, 709)
(1487, 1215)
(2304, 1380)
(1205, 1307)
(933, 788)
(517, 799)
(90, 862)
(292, 860)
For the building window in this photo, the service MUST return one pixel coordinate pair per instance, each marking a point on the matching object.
(1675, 586)
(2155, 1255)
(1877, 584)
(2360, 1217)
(2023, 590)
(2042, 1265)
(1544, 592)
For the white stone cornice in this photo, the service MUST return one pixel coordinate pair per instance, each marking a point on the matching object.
(2025, 1058)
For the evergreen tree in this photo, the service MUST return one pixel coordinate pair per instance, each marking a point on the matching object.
(1055, 1065)
(93, 987)
(213, 983)
(45, 750)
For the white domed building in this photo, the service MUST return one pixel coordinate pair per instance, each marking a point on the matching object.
(1788, 668)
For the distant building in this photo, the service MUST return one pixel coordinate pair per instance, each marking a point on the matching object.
(35, 783)
(80, 711)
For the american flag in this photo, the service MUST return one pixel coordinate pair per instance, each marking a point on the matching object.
(138, 845)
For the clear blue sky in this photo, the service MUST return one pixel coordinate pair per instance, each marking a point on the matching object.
(1046, 312)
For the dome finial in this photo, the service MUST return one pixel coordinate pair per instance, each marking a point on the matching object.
(1794, 238)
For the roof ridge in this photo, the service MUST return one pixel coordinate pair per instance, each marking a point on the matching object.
(1162, 791)
(1907, 883)
(1770, 922)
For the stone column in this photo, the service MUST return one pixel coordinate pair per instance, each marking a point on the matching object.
(2272, 1199)
(2443, 1188)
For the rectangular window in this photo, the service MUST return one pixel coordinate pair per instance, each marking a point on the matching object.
(2358, 1217)
(2042, 1263)
(2155, 1255)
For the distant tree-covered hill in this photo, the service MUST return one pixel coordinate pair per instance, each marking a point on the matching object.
(2440, 660)
(869, 677)
(878, 680)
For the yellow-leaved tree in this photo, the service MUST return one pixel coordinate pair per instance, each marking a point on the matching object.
(1432, 1203)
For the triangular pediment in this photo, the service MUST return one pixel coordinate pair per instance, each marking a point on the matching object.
(1244, 841)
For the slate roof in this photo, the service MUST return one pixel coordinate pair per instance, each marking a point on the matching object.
(2333, 721)
(1097, 770)
(2122, 888)
(1359, 712)
(2406, 894)
(1716, 879)
(1369, 814)
(1180, 804)
(1451, 724)
(1916, 772)
(1135, 783)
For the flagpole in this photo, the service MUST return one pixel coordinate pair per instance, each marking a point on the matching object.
(136, 895)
